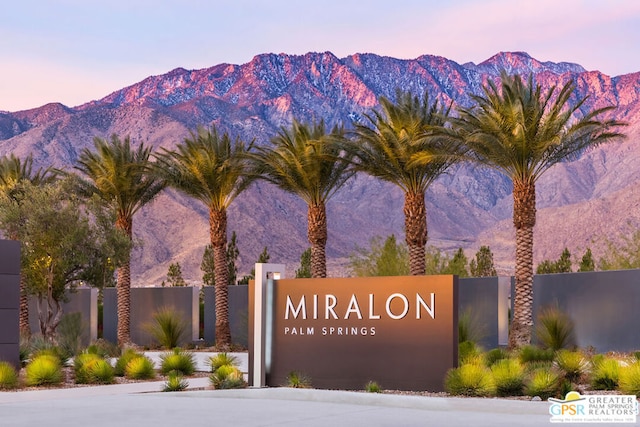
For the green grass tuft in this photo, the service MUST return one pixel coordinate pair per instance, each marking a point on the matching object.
(177, 360)
(470, 380)
(543, 382)
(44, 370)
(140, 368)
(508, 376)
(554, 329)
(8, 376)
(222, 359)
(175, 382)
(372, 387)
(297, 379)
(605, 374)
(572, 363)
(167, 328)
(124, 359)
(630, 379)
(227, 376)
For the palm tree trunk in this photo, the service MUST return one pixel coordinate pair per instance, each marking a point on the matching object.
(218, 235)
(317, 234)
(415, 224)
(123, 287)
(524, 219)
(25, 329)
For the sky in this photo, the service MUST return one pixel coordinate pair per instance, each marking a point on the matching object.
(76, 51)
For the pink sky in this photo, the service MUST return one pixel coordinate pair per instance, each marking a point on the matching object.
(74, 51)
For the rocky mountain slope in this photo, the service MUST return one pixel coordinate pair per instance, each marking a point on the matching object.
(580, 203)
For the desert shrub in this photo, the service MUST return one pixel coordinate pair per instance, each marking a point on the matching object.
(372, 387)
(91, 368)
(554, 329)
(103, 348)
(69, 334)
(630, 379)
(177, 360)
(175, 382)
(8, 376)
(494, 355)
(531, 353)
(124, 359)
(227, 376)
(297, 379)
(43, 370)
(222, 359)
(605, 374)
(468, 352)
(470, 380)
(543, 382)
(508, 376)
(167, 327)
(572, 364)
(140, 368)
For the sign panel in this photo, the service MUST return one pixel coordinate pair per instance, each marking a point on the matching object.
(341, 333)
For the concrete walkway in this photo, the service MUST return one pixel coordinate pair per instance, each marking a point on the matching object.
(141, 405)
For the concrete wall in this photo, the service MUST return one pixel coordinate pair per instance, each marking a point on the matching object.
(485, 300)
(144, 303)
(10, 302)
(238, 314)
(604, 306)
(84, 301)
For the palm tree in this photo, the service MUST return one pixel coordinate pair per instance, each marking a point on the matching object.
(306, 160)
(209, 168)
(404, 146)
(522, 132)
(120, 176)
(13, 171)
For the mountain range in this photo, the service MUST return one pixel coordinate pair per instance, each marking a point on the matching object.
(580, 203)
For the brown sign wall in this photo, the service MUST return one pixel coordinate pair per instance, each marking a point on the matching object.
(398, 331)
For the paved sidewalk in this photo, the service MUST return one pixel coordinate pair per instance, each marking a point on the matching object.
(141, 405)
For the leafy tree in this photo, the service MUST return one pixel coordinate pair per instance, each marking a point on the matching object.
(207, 267)
(388, 258)
(587, 263)
(401, 145)
(13, 170)
(307, 161)
(174, 275)
(457, 264)
(623, 255)
(435, 260)
(482, 264)
(232, 257)
(520, 131)
(562, 265)
(119, 175)
(211, 168)
(64, 243)
(305, 265)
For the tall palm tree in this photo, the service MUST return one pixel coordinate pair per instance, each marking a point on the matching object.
(12, 171)
(520, 131)
(306, 160)
(210, 168)
(402, 144)
(120, 176)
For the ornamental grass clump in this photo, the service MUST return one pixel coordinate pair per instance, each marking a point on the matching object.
(470, 380)
(175, 382)
(494, 355)
(140, 368)
(8, 376)
(296, 379)
(222, 359)
(44, 370)
(124, 359)
(227, 376)
(572, 364)
(168, 327)
(372, 387)
(630, 379)
(532, 354)
(605, 374)
(544, 383)
(177, 360)
(90, 368)
(508, 376)
(554, 329)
